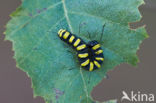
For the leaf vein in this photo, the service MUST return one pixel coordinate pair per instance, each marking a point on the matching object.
(66, 15)
(85, 87)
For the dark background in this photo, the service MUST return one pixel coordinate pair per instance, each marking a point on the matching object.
(15, 86)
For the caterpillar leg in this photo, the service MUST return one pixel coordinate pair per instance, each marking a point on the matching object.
(70, 51)
(102, 32)
(81, 25)
(89, 35)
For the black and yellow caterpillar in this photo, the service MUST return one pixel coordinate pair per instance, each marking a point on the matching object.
(90, 55)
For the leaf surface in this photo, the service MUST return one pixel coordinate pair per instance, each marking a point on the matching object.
(51, 64)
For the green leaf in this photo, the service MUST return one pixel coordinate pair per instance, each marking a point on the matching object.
(51, 64)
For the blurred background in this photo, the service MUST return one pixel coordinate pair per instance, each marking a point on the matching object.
(15, 86)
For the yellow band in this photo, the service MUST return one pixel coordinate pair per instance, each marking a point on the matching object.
(77, 42)
(91, 66)
(98, 58)
(85, 63)
(61, 32)
(65, 36)
(99, 52)
(96, 46)
(97, 64)
(83, 55)
(81, 47)
(71, 39)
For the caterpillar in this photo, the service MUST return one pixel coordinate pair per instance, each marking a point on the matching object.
(90, 55)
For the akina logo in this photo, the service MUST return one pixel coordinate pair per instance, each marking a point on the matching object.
(138, 97)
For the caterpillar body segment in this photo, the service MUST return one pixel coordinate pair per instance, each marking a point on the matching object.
(94, 55)
(71, 39)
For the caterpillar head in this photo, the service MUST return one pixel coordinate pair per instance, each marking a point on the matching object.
(60, 32)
